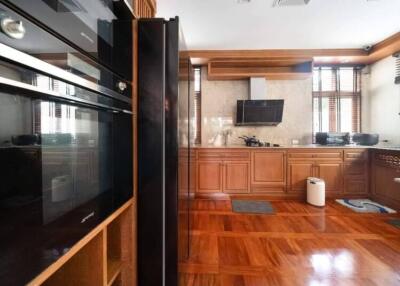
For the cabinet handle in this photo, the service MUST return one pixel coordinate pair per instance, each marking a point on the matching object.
(396, 180)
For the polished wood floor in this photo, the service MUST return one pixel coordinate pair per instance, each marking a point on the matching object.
(299, 245)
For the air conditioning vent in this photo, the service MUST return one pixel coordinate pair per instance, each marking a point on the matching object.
(397, 76)
(279, 3)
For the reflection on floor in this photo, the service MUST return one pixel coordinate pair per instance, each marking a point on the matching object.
(299, 245)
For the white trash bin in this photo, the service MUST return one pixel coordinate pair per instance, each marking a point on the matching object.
(316, 192)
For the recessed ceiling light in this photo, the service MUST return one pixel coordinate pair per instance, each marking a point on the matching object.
(243, 1)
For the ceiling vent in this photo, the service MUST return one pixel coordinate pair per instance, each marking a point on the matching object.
(397, 76)
(279, 3)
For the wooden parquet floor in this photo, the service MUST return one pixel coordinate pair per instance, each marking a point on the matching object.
(299, 245)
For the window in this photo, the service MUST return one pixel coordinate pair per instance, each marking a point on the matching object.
(336, 99)
(197, 105)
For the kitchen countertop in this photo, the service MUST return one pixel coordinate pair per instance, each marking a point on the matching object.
(310, 146)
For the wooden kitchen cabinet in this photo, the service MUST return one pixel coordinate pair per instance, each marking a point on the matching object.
(209, 176)
(236, 177)
(324, 164)
(385, 169)
(282, 172)
(268, 171)
(332, 174)
(298, 172)
(223, 170)
(356, 170)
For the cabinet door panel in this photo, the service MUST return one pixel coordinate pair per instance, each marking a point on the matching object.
(332, 174)
(384, 184)
(355, 185)
(298, 174)
(268, 168)
(209, 177)
(236, 177)
(355, 168)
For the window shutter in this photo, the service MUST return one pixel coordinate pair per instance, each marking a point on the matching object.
(336, 99)
(397, 78)
(197, 105)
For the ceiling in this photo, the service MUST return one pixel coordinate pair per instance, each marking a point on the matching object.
(322, 24)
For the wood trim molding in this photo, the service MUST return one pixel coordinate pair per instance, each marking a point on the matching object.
(276, 53)
(379, 51)
(385, 48)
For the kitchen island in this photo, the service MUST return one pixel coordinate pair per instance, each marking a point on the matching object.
(281, 172)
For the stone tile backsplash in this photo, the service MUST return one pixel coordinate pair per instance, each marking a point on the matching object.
(219, 111)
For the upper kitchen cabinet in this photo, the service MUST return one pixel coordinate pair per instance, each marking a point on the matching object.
(144, 8)
(270, 68)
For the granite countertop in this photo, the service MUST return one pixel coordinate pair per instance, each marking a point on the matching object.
(310, 146)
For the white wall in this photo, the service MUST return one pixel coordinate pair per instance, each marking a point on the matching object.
(381, 101)
(219, 110)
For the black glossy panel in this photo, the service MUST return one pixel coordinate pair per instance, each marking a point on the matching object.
(44, 46)
(100, 28)
(151, 160)
(64, 167)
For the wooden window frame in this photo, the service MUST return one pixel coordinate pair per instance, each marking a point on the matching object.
(335, 97)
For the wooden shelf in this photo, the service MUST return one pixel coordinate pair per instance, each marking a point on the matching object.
(114, 250)
(274, 68)
(83, 268)
(104, 257)
(113, 270)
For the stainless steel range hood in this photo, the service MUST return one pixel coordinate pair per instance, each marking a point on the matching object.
(258, 88)
(258, 111)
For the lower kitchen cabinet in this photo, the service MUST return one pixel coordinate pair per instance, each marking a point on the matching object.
(268, 172)
(326, 164)
(282, 172)
(298, 173)
(236, 177)
(220, 176)
(332, 174)
(209, 176)
(268, 168)
(355, 186)
(356, 170)
(385, 175)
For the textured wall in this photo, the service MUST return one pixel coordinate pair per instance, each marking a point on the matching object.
(381, 101)
(219, 110)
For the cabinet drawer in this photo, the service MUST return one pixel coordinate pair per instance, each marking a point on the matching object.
(236, 156)
(358, 155)
(206, 155)
(355, 185)
(325, 155)
(301, 155)
(268, 190)
(223, 155)
(329, 155)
